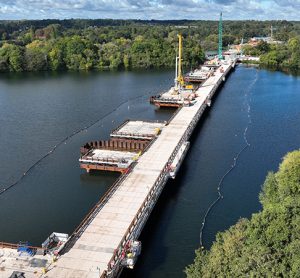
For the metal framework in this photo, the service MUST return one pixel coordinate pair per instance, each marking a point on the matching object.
(220, 38)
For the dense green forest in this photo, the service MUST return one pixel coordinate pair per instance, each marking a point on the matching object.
(284, 55)
(267, 245)
(75, 44)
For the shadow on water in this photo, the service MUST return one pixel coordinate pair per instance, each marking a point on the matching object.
(93, 177)
(165, 111)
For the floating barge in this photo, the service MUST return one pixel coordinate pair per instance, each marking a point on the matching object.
(138, 130)
(107, 160)
(199, 75)
(127, 143)
(187, 88)
(181, 94)
(173, 98)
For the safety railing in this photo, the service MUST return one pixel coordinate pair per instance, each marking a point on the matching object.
(114, 264)
(16, 246)
(94, 211)
(107, 160)
(149, 135)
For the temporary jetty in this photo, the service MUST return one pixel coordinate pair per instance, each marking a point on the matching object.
(107, 240)
(148, 154)
(116, 222)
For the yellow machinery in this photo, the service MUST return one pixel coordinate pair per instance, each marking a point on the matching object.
(179, 80)
(190, 87)
(179, 65)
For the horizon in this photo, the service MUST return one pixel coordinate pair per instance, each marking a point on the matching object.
(146, 20)
(156, 9)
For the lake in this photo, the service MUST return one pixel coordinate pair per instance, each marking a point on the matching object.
(52, 114)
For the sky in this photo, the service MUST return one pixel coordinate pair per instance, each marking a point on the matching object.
(152, 9)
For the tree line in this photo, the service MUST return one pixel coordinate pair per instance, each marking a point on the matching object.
(267, 245)
(109, 47)
(83, 44)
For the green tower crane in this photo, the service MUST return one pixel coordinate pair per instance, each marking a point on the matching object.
(220, 38)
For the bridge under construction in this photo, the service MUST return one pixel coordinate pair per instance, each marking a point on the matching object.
(100, 244)
(147, 154)
(107, 239)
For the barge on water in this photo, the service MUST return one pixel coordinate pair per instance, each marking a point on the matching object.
(199, 75)
(183, 93)
(127, 143)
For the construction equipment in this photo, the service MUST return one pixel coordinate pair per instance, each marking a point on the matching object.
(220, 56)
(179, 81)
(55, 243)
(181, 94)
(130, 253)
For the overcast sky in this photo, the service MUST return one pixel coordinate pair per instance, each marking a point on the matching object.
(152, 9)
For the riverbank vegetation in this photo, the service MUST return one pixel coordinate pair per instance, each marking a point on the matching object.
(267, 245)
(284, 55)
(34, 45)
(61, 46)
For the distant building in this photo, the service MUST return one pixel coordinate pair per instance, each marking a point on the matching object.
(265, 39)
(185, 26)
(182, 26)
(256, 40)
(249, 58)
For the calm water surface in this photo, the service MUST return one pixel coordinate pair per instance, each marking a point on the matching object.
(37, 111)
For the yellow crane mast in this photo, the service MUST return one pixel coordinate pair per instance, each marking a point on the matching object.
(180, 80)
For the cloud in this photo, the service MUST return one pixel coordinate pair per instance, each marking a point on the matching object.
(152, 9)
(291, 3)
(224, 2)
